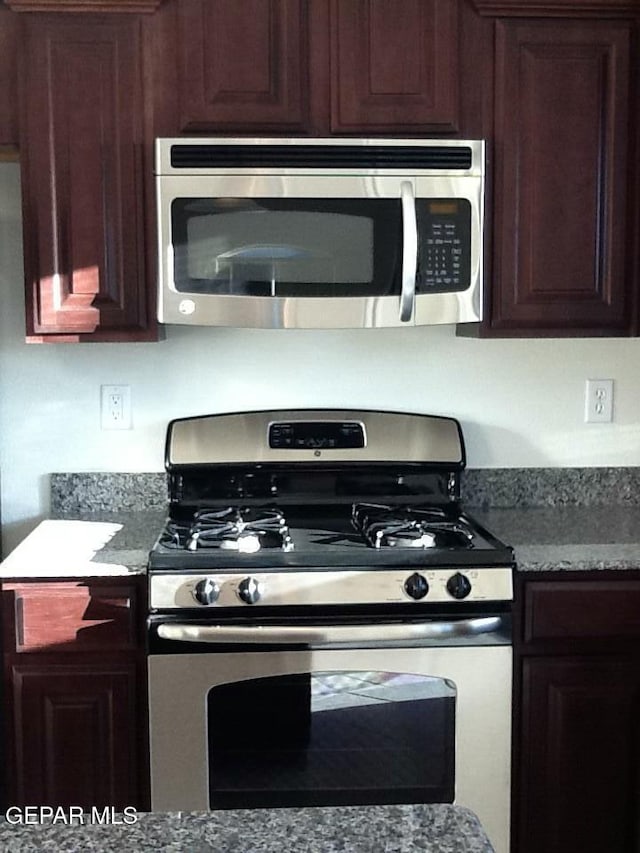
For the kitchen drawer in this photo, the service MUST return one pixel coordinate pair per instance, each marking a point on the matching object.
(581, 610)
(69, 617)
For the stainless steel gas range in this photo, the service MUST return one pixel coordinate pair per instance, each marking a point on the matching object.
(326, 623)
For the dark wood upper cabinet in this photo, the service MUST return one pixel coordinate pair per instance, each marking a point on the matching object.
(98, 6)
(552, 85)
(562, 161)
(82, 163)
(320, 67)
(394, 72)
(243, 65)
(8, 78)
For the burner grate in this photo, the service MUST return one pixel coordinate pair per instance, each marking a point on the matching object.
(385, 526)
(243, 529)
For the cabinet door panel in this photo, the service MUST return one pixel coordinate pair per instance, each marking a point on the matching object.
(75, 735)
(8, 78)
(561, 159)
(82, 175)
(394, 71)
(579, 763)
(243, 64)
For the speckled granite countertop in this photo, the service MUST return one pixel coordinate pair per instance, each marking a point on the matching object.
(370, 829)
(556, 519)
(568, 538)
(544, 538)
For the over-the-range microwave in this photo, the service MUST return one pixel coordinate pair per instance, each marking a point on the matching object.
(320, 233)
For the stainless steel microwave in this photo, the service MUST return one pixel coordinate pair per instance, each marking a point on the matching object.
(320, 233)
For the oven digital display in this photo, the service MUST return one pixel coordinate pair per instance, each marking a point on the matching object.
(312, 435)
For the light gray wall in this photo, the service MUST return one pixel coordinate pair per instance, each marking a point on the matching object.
(520, 402)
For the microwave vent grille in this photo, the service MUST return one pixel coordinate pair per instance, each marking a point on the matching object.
(251, 156)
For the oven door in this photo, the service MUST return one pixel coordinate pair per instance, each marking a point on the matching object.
(287, 724)
(312, 251)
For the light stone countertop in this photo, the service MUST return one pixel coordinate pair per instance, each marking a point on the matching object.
(94, 545)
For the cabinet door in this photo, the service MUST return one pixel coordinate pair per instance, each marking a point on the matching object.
(244, 65)
(75, 734)
(394, 71)
(82, 176)
(579, 761)
(8, 77)
(561, 242)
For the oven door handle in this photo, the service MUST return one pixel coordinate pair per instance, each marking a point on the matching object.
(319, 635)
(409, 251)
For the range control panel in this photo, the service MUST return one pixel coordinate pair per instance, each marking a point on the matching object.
(444, 250)
(321, 435)
(339, 587)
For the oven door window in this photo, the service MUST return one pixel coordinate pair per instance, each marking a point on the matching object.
(331, 738)
(286, 247)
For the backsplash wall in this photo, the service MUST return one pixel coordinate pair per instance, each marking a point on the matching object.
(520, 402)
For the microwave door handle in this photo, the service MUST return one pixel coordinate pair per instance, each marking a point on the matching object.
(409, 251)
(319, 635)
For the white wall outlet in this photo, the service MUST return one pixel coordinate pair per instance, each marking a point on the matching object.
(598, 401)
(115, 407)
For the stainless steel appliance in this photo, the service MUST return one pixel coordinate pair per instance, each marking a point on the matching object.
(326, 624)
(319, 233)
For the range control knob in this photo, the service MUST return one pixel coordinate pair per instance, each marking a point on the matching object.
(416, 586)
(206, 591)
(458, 586)
(249, 590)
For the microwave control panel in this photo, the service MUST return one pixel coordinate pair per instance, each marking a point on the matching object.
(444, 248)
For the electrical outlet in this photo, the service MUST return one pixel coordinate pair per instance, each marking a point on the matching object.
(598, 401)
(115, 407)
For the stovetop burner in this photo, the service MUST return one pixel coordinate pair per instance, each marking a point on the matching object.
(246, 530)
(410, 527)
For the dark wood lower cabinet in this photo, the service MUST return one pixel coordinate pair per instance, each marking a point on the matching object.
(75, 730)
(580, 755)
(75, 734)
(577, 726)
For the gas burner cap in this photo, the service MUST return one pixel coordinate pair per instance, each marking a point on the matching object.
(408, 539)
(247, 540)
(245, 544)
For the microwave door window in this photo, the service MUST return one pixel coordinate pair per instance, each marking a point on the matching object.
(254, 265)
(286, 248)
